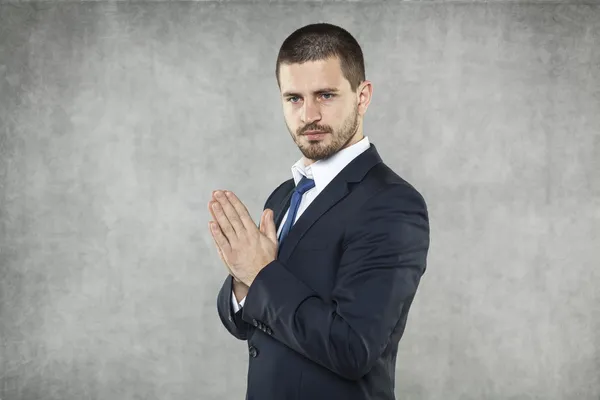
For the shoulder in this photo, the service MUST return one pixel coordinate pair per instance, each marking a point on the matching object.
(382, 185)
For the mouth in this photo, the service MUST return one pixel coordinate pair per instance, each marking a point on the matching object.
(315, 135)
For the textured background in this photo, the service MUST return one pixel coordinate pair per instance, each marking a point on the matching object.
(117, 120)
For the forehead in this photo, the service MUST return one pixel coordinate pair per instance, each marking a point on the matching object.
(311, 76)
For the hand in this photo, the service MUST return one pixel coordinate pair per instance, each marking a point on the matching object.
(244, 248)
(217, 245)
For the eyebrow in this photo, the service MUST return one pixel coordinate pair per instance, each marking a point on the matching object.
(320, 91)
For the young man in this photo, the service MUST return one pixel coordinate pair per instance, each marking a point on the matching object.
(322, 288)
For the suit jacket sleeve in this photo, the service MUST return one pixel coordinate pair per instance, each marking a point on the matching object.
(231, 320)
(385, 251)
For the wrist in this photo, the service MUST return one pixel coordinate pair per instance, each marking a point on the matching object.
(240, 290)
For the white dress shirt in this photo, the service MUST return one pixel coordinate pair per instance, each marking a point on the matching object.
(323, 172)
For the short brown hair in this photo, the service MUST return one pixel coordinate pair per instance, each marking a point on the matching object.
(316, 42)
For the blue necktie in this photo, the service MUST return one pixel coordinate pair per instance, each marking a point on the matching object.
(304, 185)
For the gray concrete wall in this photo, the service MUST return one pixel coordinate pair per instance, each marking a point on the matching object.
(117, 120)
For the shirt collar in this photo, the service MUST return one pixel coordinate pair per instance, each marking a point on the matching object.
(323, 171)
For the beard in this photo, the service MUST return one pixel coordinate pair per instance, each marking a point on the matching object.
(333, 142)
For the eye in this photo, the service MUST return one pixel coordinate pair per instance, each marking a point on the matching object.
(328, 94)
(293, 97)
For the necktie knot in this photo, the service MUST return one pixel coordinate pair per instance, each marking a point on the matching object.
(304, 185)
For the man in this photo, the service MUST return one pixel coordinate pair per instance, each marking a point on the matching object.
(322, 288)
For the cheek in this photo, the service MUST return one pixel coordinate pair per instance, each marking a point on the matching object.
(291, 122)
(291, 114)
(338, 110)
(334, 118)
(294, 119)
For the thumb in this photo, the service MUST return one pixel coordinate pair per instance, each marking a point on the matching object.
(268, 228)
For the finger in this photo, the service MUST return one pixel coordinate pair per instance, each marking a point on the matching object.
(223, 259)
(212, 211)
(261, 227)
(271, 229)
(220, 239)
(229, 211)
(222, 220)
(217, 245)
(229, 270)
(241, 210)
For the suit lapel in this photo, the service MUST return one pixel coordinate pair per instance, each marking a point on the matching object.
(334, 192)
(284, 204)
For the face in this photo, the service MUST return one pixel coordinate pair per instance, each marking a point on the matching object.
(317, 97)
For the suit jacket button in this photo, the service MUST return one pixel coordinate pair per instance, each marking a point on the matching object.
(253, 351)
(255, 322)
(269, 331)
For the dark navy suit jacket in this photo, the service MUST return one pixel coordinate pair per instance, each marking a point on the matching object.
(324, 319)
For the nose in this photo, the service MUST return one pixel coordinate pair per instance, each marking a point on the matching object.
(311, 112)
